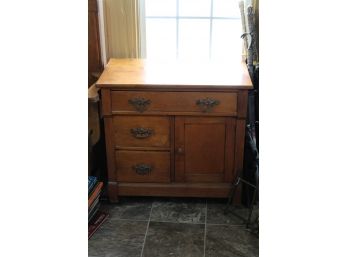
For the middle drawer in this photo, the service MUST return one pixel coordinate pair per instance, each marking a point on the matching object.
(141, 131)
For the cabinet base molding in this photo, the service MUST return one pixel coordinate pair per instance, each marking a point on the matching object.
(113, 192)
(209, 190)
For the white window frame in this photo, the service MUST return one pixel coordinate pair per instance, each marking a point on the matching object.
(178, 17)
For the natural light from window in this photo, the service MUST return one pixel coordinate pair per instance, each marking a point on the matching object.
(193, 29)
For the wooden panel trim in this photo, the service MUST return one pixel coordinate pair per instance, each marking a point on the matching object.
(203, 177)
(169, 88)
(111, 164)
(172, 148)
(242, 104)
(229, 149)
(166, 113)
(113, 192)
(239, 146)
(106, 102)
(181, 87)
(203, 120)
(179, 142)
(210, 190)
(136, 148)
(239, 155)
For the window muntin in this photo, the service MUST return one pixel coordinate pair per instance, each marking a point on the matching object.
(193, 29)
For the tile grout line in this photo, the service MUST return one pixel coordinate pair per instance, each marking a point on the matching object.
(205, 226)
(147, 228)
(188, 223)
(173, 222)
(129, 220)
(229, 225)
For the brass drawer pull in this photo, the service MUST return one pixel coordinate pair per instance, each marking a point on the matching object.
(142, 169)
(141, 132)
(140, 104)
(207, 104)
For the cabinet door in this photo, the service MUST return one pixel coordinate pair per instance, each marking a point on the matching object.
(204, 149)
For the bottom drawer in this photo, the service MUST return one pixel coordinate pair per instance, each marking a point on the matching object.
(141, 166)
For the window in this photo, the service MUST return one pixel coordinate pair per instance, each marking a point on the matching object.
(193, 29)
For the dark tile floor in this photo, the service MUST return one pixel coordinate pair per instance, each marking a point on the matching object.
(172, 227)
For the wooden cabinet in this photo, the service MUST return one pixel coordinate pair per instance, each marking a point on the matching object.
(177, 133)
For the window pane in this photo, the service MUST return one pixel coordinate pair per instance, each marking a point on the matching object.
(226, 40)
(160, 7)
(226, 8)
(194, 39)
(194, 8)
(161, 38)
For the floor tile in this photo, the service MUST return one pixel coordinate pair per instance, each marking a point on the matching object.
(216, 214)
(230, 241)
(130, 208)
(118, 238)
(174, 240)
(179, 210)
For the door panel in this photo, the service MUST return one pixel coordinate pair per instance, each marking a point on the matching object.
(204, 149)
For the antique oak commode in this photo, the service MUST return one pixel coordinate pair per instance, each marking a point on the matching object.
(173, 129)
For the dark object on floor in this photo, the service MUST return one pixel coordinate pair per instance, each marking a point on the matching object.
(253, 168)
(91, 183)
(96, 222)
(93, 209)
(95, 194)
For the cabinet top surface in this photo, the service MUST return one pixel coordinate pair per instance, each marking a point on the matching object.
(142, 73)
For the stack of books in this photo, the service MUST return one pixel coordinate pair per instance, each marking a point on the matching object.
(95, 216)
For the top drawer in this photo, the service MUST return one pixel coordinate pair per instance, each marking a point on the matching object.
(174, 102)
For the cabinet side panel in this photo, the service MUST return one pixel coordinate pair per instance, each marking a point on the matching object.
(106, 102)
(239, 155)
(239, 146)
(109, 149)
(111, 166)
(242, 104)
(229, 152)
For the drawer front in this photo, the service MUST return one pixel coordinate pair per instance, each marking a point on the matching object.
(224, 103)
(141, 131)
(141, 166)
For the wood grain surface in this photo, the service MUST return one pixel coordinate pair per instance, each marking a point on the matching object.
(140, 73)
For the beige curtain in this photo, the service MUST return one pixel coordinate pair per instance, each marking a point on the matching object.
(123, 33)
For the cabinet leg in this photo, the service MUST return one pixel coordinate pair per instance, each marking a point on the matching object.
(113, 192)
